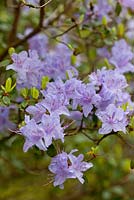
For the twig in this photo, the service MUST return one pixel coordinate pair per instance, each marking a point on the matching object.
(37, 7)
(125, 141)
(42, 13)
(66, 31)
(34, 32)
(90, 138)
(104, 136)
(19, 42)
(12, 34)
(30, 5)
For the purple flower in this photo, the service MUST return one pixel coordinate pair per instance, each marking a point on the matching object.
(5, 123)
(66, 166)
(34, 2)
(55, 98)
(127, 3)
(107, 97)
(55, 88)
(33, 134)
(122, 56)
(51, 128)
(56, 104)
(39, 43)
(102, 9)
(77, 116)
(86, 97)
(60, 167)
(29, 68)
(110, 79)
(36, 111)
(113, 119)
(57, 64)
(130, 29)
(103, 52)
(78, 165)
(71, 86)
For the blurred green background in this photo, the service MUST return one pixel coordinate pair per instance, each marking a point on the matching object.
(25, 176)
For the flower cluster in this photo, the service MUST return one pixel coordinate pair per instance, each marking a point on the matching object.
(127, 3)
(121, 61)
(42, 61)
(67, 97)
(66, 166)
(27, 66)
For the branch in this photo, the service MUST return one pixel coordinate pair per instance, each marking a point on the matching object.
(37, 7)
(19, 42)
(34, 32)
(42, 13)
(125, 141)
(90, 138)
(104, 136)
(23, 3)
(119, 136)
(12, 34)
(66, 31)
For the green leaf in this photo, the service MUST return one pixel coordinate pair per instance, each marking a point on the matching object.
(11, 50)
(35, 93)
(73, 59)
(132, 164)
(6, 100)
(85, 179)
(120, 29)
(44, 82)
(24, 104)
(51, 151)
(8, 85)
(24, 92)
(118, 9)
(4, 63)
(3, 88)
(104, 20)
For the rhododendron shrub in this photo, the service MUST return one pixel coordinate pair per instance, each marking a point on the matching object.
(68, 76)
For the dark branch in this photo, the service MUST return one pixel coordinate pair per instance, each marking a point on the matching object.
(66, 31)
(13, 32)
(105, 136)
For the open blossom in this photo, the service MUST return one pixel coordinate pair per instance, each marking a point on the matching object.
(56, 104)
(36, 111)
(112, 79)
(33, 135)
(60, 167)
(86, 97)
(55, 88)
(109, 84)
(51, 128)
(103, 52)
(122, 56)
(102, 8)
(113, 119)
(71, 86)
(5, 123)
(78, 165)
(57, 64)
(39, 43)
(127, 3)
(42, 134)
(130, 29)
(27, 65)
(66, 166)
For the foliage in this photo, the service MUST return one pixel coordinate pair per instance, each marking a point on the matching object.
(66, 76)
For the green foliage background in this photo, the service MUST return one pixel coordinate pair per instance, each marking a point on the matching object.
(24, 176)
